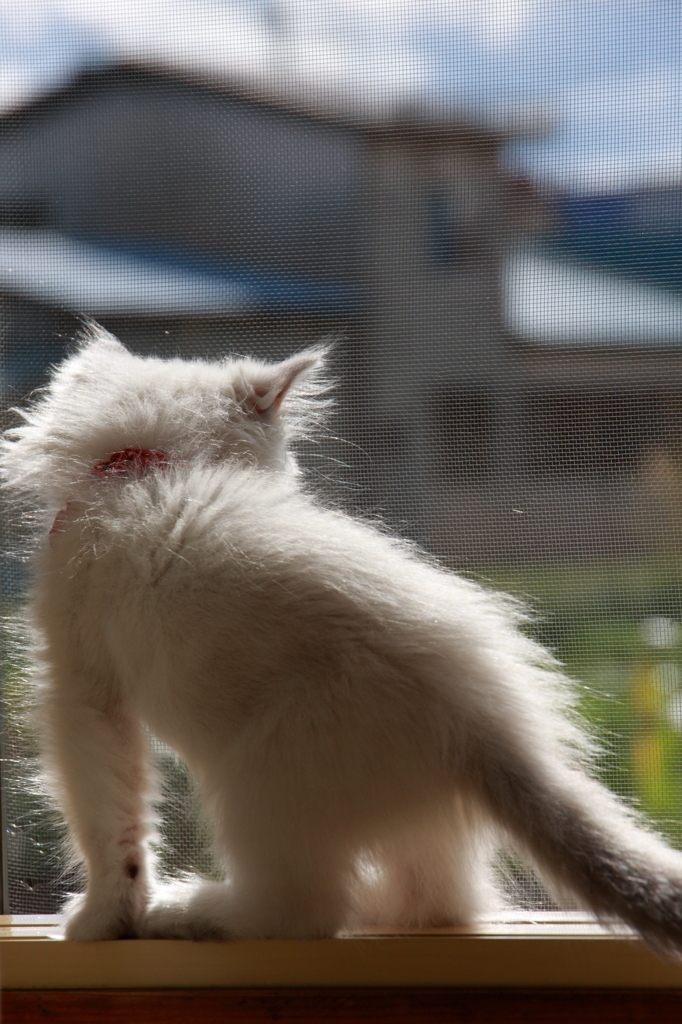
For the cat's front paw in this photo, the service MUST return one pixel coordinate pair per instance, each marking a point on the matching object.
(97, 922)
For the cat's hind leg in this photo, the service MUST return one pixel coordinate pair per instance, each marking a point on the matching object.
(272, 892)
(433, 875)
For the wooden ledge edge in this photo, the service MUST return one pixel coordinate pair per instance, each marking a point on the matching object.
(342, 1006)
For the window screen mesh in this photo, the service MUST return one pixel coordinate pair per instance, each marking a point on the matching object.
(481, 203)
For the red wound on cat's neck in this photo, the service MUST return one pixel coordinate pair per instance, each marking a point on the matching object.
(129, 460)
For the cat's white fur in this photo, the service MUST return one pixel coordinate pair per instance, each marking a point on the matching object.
(364, 727)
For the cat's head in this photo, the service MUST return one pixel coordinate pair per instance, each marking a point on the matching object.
(103, 399)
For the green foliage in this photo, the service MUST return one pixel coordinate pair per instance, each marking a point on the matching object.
(601, 621)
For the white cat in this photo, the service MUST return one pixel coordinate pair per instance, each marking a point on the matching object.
(364, 727)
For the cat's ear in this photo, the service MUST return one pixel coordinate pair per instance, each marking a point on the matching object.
(94, 336)
(270, 386)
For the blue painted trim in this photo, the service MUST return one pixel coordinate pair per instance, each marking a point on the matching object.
(270, 288)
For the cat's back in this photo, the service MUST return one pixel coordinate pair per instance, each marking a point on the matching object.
(240, 536)
(227, 555)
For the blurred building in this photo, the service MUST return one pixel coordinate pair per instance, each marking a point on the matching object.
(635, 231)
(178, 212)
(499, 397)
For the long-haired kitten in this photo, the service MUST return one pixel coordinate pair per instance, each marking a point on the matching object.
(365, 728)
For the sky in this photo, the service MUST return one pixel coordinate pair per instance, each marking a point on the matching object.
(594, 86)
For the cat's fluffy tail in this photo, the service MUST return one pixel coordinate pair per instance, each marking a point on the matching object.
(584, 841)
(516, 746)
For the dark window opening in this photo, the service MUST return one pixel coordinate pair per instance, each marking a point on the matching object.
(463, 434)
(593, 431)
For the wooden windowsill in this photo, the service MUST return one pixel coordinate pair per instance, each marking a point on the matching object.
(516, 951)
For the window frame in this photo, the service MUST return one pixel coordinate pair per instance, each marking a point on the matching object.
(515, 950)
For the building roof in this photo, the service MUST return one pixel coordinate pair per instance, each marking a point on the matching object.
(553, 301)
(99, 278)
(405, 121)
